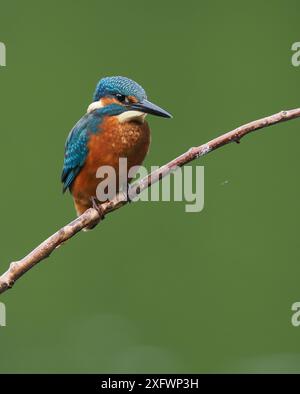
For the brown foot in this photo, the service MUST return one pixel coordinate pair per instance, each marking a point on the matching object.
(97, 205)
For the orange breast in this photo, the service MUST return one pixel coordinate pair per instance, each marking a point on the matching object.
(129, 140)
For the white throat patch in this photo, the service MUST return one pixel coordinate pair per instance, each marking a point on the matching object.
(127, 116)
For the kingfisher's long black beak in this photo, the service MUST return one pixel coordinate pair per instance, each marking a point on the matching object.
(150, 108)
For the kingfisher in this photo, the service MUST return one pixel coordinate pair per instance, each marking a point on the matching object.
(114, 127)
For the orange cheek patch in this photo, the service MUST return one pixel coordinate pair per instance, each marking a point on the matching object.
(132, 99)
(109, 100)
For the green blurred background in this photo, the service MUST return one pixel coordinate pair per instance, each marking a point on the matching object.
(154, 289)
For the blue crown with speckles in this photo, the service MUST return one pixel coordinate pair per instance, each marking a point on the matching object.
(118, 85)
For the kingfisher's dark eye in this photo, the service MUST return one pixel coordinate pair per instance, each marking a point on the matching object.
(122, 98)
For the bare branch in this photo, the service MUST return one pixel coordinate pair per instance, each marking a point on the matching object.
(91, 216)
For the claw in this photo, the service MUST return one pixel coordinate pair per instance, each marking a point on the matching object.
(96, 205)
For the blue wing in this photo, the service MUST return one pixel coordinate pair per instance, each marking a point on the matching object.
(76, 151)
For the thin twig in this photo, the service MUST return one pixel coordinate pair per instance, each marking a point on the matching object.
(91, 216)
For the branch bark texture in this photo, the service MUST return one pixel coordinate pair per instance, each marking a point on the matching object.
(91, 216)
